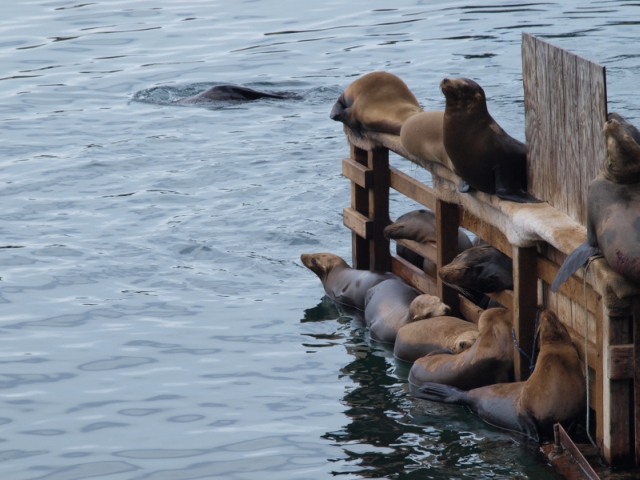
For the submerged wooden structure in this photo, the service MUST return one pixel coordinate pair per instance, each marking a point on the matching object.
(565, 108)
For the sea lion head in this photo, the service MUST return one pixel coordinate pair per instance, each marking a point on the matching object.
(497, 320)
(552, 331)
(463, 93)
(427, 306)
(465, 341)
(622, 164)
(483, 269)
(418, 225)
(322, 263)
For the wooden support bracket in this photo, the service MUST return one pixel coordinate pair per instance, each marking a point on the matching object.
(447, 224)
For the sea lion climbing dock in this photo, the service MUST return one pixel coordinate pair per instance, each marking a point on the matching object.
(565, 108)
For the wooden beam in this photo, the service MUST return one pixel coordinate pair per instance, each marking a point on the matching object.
(621, 364)
(427, 250)
(504, 297)
(412, 188)
(357, 173)
(470, 310)
(447, 224)
(525, 296)
(413, 275)
(359, 203)
(488, 233)
(357, 223)
(379, 255)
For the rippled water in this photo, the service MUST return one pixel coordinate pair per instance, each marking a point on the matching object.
(157, 322)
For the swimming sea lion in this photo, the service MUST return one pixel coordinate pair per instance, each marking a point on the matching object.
(483, 269)
(229, 92)
(417, 339)
(422, 136)
(613, 210)
(488, 361)
(555, 392)
(386, 309)
(378, 101)
(344, 284)
(484, 155)
(420, 226)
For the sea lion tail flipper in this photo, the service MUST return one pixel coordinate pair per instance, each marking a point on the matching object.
(574, 261)
(437, 392)
(464, 187)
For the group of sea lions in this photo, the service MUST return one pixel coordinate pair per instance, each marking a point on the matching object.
(465, 138)
(458, 362)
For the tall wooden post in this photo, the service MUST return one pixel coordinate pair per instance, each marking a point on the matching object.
(379, 255)
(360, 203)
(447, 224)
(525, 296)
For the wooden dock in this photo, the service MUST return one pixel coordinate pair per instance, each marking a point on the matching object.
(565, 108)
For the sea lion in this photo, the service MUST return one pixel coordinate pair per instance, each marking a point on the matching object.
(342, 283)
(613, 210)
(482, 269)
(386, 309)
(420, 226)
(631, 130)
(230, 92)
(377, 101)
(417, 339)
(488, 361)
(421, 135)
(555, 392)
(483, 154)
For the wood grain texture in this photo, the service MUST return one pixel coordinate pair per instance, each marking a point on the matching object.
(412, 188)
(427, 250)
(379, 255)
(525, 293)
(621, 365)
(412, 275)
(447, 224)
(359, 203)
(487, 232)
(357, 223)
(357, 173)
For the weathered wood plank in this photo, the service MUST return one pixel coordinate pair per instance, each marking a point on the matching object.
(412, 188)
(412, 275)
(359, 203)
(447, 224)
(531, 106)
(525, 294)
(357, 173)
(487, 232)
(379, 255)
(357, 223)
(427, 250)
(621, 364)
(469, 310)
(571, 143)
(504, 297)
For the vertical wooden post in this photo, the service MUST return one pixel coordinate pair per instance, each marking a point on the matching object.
(360, 203)
(379, 255)
(447, 224)
(618, 447)
(636, 377)
(525, 296)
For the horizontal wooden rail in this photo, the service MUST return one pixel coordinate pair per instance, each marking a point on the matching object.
(488, 233)
(357, 223)
(572, 288)
(470, 310)
(412, 188)
(427, 250)
(413, 275)
(504, 298)
(357, 173)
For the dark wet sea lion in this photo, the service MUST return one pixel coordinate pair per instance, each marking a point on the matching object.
(377, 101)
(483, 269)
(422, 136)
(342, 283)
(420, 226)
(483, 154)
(488, 361)
(417, 339)
(387, 309)
(230, 92)
(555, 392)
(613, 210)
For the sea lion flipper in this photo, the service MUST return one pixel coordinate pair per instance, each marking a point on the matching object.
(574, 261)
(464, 187)
(441, 351)
(437, 392)
(506, 189)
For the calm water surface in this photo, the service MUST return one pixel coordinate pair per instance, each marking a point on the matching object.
(156, 320)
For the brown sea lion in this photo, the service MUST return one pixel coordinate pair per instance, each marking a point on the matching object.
(482, 269)
(422, 136)
(483, 154)
(417, 339)
(555, 392)
(613, 210)
(231, 92)
(378, 101)
(342, 283)
(392, 304)
(488, 361)
(631, 130)
(420, 226)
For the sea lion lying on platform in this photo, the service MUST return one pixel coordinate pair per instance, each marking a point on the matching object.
(420, 226)
(488, 361)
(613, 210)
(419, 338)
(555, 392)
(392, 304)
(483, 154)
(422, 135)
(482, 269)
(342, 283)
(231, 92)
(377, 101)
